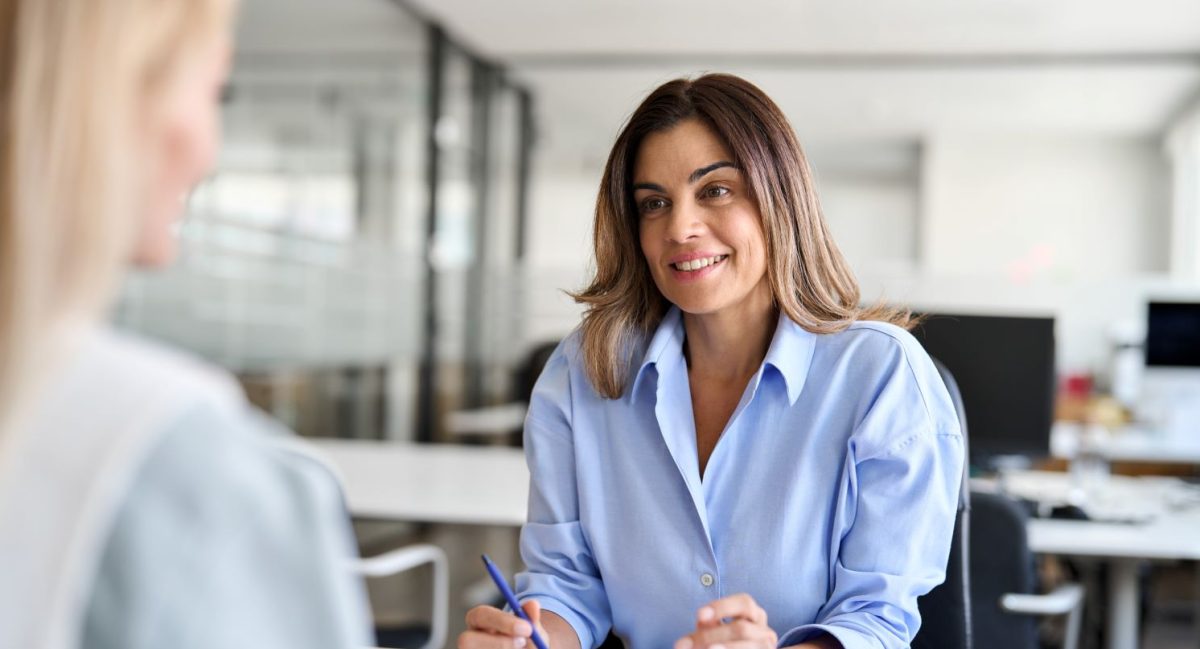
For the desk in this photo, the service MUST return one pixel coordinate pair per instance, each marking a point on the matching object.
(1131, 444)
(431, 483)
(1173, 533)
(490, 486)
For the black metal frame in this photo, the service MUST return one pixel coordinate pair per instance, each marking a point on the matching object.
(487, 77)
(427, 377)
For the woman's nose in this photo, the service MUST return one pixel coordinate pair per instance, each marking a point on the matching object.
(684, 222)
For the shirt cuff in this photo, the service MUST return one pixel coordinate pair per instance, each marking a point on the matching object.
(849, 638)
(582, 630)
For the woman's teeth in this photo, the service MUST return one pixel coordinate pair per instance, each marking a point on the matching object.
(697, 264)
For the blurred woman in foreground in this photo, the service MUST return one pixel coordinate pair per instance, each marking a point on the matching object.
(142, 504)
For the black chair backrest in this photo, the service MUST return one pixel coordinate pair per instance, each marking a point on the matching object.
(528, 374)
(1000, 563)
(946, 610)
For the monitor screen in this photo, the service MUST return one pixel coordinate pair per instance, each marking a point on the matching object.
(1004, 367)
(1173, 334)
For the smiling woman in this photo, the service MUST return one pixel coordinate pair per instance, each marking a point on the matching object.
(730, 452)
(739, 136)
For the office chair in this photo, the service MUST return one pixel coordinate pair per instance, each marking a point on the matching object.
(1004, 580)
(398, 561)
(946, 610)
(506, 420)
(391, 563)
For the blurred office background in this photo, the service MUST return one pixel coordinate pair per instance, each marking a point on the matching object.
(406, 188)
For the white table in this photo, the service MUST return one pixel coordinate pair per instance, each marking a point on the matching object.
(1130, 444)
(1171, 533)
(431, 483)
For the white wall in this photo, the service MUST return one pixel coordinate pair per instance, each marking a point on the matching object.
(1071, 207)
(1183, 147)
(873, 220)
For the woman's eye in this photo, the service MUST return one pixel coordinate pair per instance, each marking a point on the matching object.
(715, 191)
(652, 204)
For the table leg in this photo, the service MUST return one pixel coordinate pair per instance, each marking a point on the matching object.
(1196, 603)
(1123, 604)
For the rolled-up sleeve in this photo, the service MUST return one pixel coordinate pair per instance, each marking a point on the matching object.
(560, 571)
(904, 502)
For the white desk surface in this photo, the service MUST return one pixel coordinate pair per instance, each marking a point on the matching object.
(1175, 538)
(431, 483)
(484, 485)
(1170, 509)
(1129, 445)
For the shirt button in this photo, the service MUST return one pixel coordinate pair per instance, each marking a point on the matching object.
(706, 580)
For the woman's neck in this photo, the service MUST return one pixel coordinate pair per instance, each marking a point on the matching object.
(729, 345)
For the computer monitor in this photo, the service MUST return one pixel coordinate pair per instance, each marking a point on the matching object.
(1004, 367)
(1173, 335)
(1170, 395)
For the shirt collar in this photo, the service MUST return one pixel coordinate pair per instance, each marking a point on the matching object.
(668, 339)
(790, 353)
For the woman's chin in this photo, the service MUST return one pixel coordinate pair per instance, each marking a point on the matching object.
(698, 306)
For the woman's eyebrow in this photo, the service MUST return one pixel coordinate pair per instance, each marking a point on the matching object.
(704, 171)
(696, 175)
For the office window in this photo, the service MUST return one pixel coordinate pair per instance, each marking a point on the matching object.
(301, 257)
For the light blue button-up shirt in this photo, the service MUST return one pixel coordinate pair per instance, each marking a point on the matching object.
(830, 497)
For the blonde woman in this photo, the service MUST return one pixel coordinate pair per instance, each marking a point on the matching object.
(730, 453)
(141, 503)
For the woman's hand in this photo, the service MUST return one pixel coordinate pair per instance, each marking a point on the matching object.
(491, 628)
(734, 622)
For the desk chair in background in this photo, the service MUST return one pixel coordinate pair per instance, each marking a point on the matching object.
(507, 420)
(988, 599)
(1004, 580)
(402, 560)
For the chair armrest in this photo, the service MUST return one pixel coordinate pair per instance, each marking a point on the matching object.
(407, 558)
(1061, 601)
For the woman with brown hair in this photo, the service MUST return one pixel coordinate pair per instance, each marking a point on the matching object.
(730, 452)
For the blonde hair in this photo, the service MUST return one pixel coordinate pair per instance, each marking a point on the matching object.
(75, 78)
(810, 280)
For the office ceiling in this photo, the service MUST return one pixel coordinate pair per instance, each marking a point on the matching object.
(581, 110)
(541, 28)
(851, 71)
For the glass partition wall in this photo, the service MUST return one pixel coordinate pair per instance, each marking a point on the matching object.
(352, 258)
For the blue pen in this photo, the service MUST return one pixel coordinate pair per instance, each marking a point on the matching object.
(502, 584)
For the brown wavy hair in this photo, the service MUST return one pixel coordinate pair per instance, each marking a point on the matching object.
(809, 278)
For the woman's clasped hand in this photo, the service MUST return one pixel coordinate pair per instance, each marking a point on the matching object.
(734, 622)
